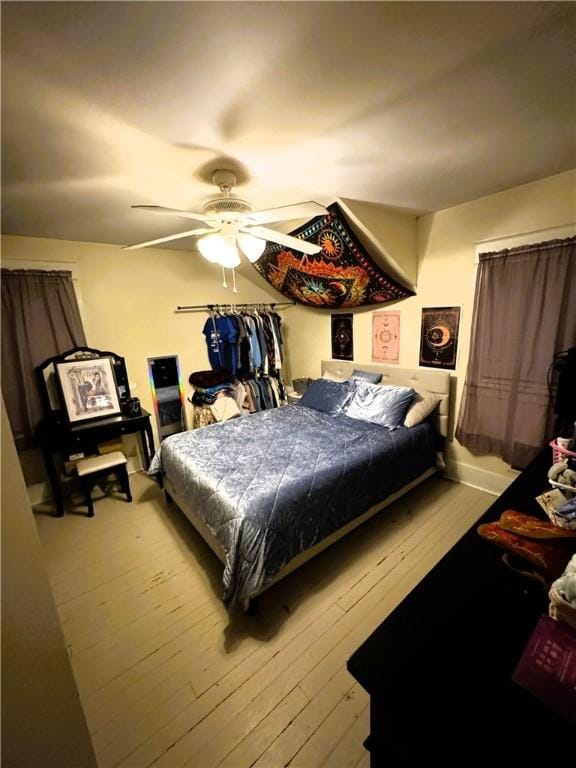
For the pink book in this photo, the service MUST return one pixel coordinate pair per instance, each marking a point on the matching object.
(547, 668)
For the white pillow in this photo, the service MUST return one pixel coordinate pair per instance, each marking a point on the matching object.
(333, 377)
(421, 407)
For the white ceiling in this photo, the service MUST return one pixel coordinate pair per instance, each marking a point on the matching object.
(413, 105)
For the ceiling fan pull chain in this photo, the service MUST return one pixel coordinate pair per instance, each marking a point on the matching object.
(234, 289)
(224, 283)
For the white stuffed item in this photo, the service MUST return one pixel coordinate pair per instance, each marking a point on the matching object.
(563, 595)
(556, 469)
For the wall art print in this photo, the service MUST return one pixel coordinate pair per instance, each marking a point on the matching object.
(439, 337)
(386, 337)
(342, 337)
(341, 275)
(88, 388)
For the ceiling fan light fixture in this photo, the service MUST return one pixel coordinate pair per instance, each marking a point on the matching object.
(229, 257)
(219, 250)
(252, 247)
(211, 247)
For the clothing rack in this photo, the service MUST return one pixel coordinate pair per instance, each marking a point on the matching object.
(262, 305)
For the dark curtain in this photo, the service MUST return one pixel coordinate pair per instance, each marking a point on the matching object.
(524, 313)
(40, 318)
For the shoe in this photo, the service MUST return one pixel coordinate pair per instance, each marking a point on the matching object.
(522, 567)
(549, 559)
(532, 527)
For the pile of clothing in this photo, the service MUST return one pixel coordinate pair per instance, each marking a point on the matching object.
(225, 398)
(216, 395)
(210, 385)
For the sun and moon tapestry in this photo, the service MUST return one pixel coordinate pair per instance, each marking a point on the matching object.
(439, 337)
(342, 275)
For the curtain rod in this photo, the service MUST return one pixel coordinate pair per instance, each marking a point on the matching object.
(559, 229)
(210, 307)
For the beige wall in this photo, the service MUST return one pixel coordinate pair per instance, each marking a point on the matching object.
(128, 297)
(43, 722)
(446, 275)
(396, 232)
(128, 300)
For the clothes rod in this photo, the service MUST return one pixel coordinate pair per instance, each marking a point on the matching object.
(242, 304)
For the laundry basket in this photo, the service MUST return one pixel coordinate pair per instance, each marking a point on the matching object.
(559, 453)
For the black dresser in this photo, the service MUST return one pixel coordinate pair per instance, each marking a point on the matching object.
(439, 668)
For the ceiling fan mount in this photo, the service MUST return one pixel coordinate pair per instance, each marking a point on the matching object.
(224, 179)
(221, 206)
(230, 221)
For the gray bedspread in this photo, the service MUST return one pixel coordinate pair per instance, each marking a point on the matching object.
(273, 484)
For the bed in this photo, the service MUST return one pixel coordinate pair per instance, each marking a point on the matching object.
(269, 491)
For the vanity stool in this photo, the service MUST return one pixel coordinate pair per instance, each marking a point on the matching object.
(89, 470)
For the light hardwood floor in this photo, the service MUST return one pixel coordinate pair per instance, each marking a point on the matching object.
(168, 677)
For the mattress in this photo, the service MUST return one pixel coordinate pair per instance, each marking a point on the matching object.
(271, 485)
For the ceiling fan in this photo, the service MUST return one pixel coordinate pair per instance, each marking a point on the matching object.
(231, 223)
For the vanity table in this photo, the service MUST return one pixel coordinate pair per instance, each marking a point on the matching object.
(58, 436)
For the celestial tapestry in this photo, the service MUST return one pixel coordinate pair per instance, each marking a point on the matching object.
(342, 336)
(341, 275)
(439, 337)
(386, 337)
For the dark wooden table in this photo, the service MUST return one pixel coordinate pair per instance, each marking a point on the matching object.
(58, 436)
(439, 668)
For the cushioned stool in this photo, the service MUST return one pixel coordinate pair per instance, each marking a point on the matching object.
(89, 470)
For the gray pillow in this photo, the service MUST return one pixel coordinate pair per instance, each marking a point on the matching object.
(380, 404)
(328, 396)
(373, 378)
(421, 407)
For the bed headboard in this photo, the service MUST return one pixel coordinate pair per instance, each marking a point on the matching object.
(431, 381)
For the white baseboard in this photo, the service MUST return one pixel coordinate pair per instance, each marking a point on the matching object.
(468, 474)
(39, 493)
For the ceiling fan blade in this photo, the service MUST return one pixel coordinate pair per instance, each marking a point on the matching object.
(172, 212)
(190, 232)
(286, 212)
(303, 246)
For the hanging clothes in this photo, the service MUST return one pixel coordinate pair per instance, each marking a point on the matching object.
(213, 332)
(249, 346)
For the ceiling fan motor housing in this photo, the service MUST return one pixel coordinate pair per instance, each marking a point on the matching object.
(226, 205)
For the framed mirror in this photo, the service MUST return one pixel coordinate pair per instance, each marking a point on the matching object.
(167, 394)
(48, 382)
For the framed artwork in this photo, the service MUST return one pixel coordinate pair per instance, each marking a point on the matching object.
(386, 337)
(342, 337)
(439, 337)
(88, 388)
(50, 391)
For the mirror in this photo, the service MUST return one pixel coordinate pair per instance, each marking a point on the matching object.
(167, 395)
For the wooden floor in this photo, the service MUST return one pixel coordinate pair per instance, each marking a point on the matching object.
(168, 678)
